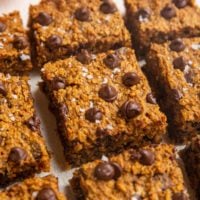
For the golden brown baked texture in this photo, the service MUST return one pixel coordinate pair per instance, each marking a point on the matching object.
(191, 159)
(150, 173)
(161, 20)
(45, 188)
(22, 148)
(60, 28)
(14, 45)
(173, 70)
(103, 105)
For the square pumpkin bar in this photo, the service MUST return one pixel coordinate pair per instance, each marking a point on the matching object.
(61, 28)
(158, 21)
(103, 104)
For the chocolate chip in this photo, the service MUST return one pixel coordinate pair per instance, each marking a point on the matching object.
(135, 155)
(108, 7)
(176, 94)
(180, 63)
(179, 196)
(44, 19)
(58, 83)
(93, 114)
(118, 170)
(168, 12)
(130, 79)
(54, 42)
(20, 42)
(104, 171)
(151, 99)
(177, 45)
(143, 13)
(180, 3)
(189, 76)
(2, 89)
(84, 57)
(33, 123)
(130, 109)
(82, 14)
(112, 61)
(147, 157)
(2, 27)
(17, 154)
(108, 93)
(46, 194)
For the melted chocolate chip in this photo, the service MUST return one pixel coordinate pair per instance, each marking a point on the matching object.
(82, 14)
(151, 99)
(17, 154)
(93, 114)
(179, 196)
(108, 7)
(108, 93)
(147, 157)
(33, 123)
(2, 27)
(84, 57)
(180, 3)
(112, 61)
(180, 63)
(53, 42)
(130, 109)
(143, 13)
(118, 170)
(177, 45)
(130, 79)
(2, 89)
(176, 94)
(20, 42)
(58, 83)
(168, 12)
(46, 194)
(104, 171)
(44, 19)
(189, 76)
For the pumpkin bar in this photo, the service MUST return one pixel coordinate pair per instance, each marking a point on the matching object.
(146, 173)
(45, 188)
(14, 45)
(173, 70)
(61, 28)
(158, 21)
(22, 148)
(103, 104)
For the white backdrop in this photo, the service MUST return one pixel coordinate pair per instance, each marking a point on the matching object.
(48, 126)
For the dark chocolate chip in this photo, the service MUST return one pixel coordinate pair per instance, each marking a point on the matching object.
(180, 63)
(130, 79)
(44, 19)
(101, 132)
(54, 42)
(151, 99)
(46, 194)
(135, 155)
(2, 89)
(82, 14)
(33, 123)
(108, 7)
(180, 3)
(179, 196)
(168, 12)
(93, 114)
(2, 27)
(63, 111)
(177, 45)
(104, 171)
(108, 93)
(20, 42)
(112, 61)
(118, 170)
(130, 109)
(84, 57)
(58, 83)
(176, 94)
(189, 76)
(143, 13)
(147, 157)
(17, 154)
